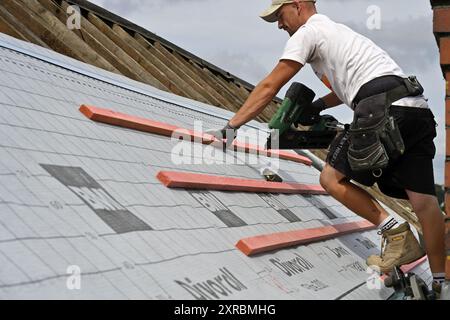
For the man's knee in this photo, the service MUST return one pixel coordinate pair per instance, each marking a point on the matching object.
(422, 203)
(329, 178)
(325, 179)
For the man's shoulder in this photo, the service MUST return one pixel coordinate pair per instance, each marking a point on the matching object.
(317, 18)
(312, 23)
(304, 33)
(313, 28)
(319, 23)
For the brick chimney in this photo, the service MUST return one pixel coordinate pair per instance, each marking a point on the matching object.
(441, 29)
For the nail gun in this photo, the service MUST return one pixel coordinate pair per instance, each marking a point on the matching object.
(296, 109)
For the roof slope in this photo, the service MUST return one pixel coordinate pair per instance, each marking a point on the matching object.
(81, 196)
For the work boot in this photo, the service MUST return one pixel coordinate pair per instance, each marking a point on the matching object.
(436, 287)
(399, 247)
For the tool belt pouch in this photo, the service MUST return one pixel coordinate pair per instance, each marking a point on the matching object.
(374, 136)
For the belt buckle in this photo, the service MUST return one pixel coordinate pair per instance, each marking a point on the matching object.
(413, 86)
(413, 80)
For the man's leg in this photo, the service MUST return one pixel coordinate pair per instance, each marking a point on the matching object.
(350, 195)
(401, 246)
(431, 219)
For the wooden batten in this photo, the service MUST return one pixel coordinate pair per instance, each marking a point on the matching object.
(101, 43)
(167, 58)
(212, 83)
(12, 26)
(163, 82)
(174, 78)
(222, 101)
(222, 87)
(58, 31)
(30, 22)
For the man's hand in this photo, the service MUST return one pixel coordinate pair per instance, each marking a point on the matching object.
(311, 115)
(227, 133)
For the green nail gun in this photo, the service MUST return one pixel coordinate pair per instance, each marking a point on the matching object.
(295, 109)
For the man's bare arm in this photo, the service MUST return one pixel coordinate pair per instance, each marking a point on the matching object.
(265, 91)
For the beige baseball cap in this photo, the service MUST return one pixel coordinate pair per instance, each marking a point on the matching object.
(270, 15)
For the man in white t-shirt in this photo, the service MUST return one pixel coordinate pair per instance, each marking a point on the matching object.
(354, 68)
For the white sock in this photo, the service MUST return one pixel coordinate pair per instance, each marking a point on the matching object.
(439, 277)
(388, 224)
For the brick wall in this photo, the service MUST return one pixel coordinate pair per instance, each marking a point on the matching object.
(441, 29)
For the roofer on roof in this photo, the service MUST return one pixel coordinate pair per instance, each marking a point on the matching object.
(355, 68)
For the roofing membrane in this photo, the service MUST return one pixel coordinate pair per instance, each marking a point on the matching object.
(83, 215)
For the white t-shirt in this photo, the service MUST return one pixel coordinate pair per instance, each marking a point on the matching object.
(343, 59)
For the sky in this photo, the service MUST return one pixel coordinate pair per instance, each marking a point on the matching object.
(231, 35)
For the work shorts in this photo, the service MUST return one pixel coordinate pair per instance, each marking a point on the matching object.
(411, 171)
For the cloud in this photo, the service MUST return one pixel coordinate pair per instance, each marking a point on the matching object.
(413, 52)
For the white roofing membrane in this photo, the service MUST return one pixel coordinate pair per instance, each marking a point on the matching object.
(139, 239)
